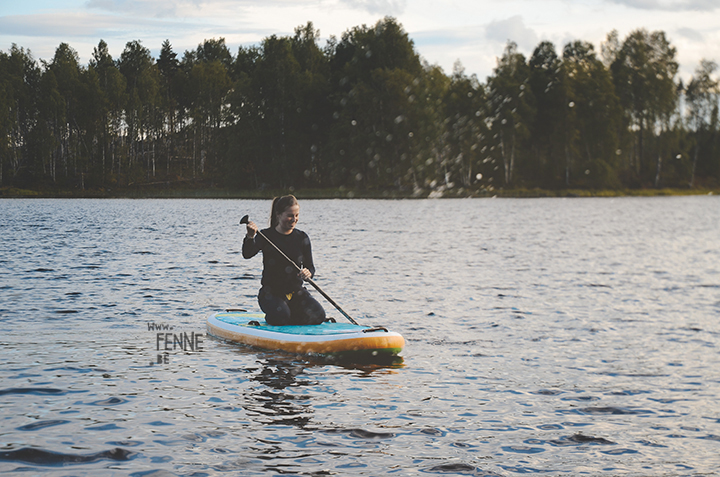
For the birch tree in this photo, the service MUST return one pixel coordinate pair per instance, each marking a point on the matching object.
(702, 96)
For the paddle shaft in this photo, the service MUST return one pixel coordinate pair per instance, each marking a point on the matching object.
(309, 280)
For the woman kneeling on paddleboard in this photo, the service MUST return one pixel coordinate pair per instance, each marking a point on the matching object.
(282, 297)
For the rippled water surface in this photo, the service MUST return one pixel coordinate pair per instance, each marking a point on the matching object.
(553, 337)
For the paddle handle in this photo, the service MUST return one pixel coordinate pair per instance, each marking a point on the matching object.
(309, 280)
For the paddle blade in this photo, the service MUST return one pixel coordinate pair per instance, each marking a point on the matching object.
(244, 220)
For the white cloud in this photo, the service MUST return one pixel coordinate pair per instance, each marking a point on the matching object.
(378, 7)
(173, 9)
(512, 29)
(691, 34)
(66, 26)
(670, 5)
(129, 7)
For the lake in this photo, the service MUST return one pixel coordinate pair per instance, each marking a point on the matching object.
(543, 336)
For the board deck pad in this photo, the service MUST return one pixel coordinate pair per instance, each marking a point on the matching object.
(327, 328)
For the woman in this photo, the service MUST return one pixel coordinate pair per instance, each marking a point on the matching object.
(282, 297)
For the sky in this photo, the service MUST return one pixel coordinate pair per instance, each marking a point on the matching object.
(471, 32)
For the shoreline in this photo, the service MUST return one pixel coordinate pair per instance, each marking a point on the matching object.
(338, 193)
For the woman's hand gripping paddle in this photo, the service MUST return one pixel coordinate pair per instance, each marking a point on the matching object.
(246, 219)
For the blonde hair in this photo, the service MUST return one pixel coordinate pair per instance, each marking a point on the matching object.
(280, 205)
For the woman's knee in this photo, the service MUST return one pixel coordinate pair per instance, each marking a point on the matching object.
(313, 310)
(277, 312)
(278, 316)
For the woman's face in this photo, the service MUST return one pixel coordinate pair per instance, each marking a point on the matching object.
(288, 219)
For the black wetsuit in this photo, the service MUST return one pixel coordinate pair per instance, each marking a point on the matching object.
(282, 297)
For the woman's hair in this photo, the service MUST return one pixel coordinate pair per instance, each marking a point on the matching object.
(280, 205)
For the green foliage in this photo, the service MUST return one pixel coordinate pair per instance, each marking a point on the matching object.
(702, 96)
(511, 110)
(362, 113)
(593, 115)
(644, 70)
(547, 162)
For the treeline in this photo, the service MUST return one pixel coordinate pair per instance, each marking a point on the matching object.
(363, 111)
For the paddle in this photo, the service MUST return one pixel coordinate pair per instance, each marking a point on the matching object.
(246, 219)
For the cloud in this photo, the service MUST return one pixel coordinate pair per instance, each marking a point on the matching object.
(378, 7)
(670, 5)
(66, 25)
(691, 34)
(441, 38)
(209, 8)
(51, 25)
(153, 8)
(512, 29)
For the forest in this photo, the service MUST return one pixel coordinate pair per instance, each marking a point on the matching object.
(362, 112)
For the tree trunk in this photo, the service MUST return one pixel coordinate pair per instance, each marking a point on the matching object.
(567, 167)
(153, 158)
(512, 156)
(506, 160)
(638, 163)
(694, 166)
(657, 170)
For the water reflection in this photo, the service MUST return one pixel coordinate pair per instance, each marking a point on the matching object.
(283, 397)
(274, 403)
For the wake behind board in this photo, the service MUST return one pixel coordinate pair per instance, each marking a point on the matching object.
(344, 341)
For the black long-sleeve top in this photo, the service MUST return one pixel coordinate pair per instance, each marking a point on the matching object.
(280, 276)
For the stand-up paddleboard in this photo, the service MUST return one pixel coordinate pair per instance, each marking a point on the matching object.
(342, 341)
